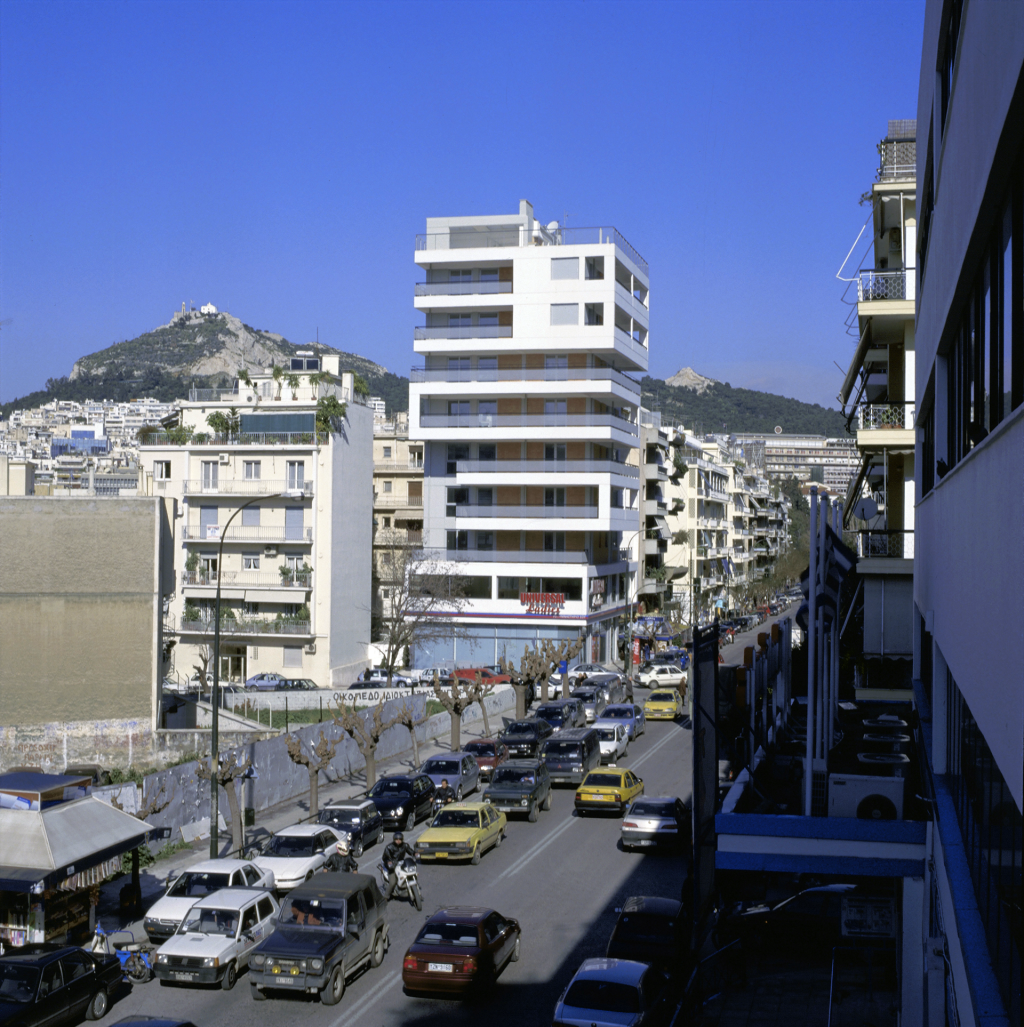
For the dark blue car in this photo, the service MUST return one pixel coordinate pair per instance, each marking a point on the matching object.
(359, 819)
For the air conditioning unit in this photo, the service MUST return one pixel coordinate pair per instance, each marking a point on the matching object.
(309, 648)
(270, 550)
(865, 797)
(225, 458)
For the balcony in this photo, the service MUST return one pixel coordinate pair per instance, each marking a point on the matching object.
(528, 421)
(516, 512)
(242, 579)
(247, 533)
(244, 487)
(893, 543)
(898, 160)
(463, 332)
(398, 537)
(281, 438)
(655, 472)
(450, 375)
(713, 495)
(881, 285)
(547, 467)
(236, 626)
(462, 288)
(399, 466)
(577, 557)
(885, 415)
(623, 336)
(390, 499)
(655, 508)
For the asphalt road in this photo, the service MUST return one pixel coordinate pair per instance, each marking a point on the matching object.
(561, 877)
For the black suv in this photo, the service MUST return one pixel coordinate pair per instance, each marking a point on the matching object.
(56, 986)
(402, 799)
(359, 819)
(525, 737)
(520, 786)
(328, 928)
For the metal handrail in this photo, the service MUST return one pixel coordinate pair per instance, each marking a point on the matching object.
(262, 579)
(881, 285)
(245, 486)
(279, 438)
(886, 542)
(527, 421)
(246, 533)
(886, 415)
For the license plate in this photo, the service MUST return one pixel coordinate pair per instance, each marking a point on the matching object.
(183, 976)
(508, 809)
(441, 855)
(441, 968)
(289, 981)
(643, 841)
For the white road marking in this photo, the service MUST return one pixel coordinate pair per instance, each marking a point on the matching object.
(535, 850)
(653, 749)
(369, 998)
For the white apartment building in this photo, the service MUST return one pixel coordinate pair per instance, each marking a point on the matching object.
(292, 506)
(526, 404)
(832, 461)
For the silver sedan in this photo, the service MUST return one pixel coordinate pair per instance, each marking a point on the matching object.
(652, 821)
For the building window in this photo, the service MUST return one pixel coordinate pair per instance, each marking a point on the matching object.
(460, 320)
(485, 540)
(565, 313)
(595, 314)
(296, 474)
(554, 451)
(291, 656)
(162, 470)
(487, 364)
(487, 452)
(456, 452)
(460, 275)
(554, 497)
(489, 318)
(456, 497)
(595, 267)
(508, 588)
(458, 407)
(487, 408)
(250, 561)
(555, 406)
(415, 457)
(554, 541)
(484, 497)
(209, 475)
(565, 267)
(458, 540)
(251, 517)
(251, 470)
(387, 452)
(387, 486)
(557, 361)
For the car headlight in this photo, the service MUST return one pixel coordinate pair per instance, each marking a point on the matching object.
(259, 959)
(487, 798)
(316, 965)
(399, 810)
(577, 766)
(524, 802)
(211, 961)
(463, 845)
(161, 958)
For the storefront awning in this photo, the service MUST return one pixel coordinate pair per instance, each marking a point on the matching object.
(39, 849)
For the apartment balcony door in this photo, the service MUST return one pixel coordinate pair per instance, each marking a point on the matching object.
(232, 664)
(293, 522)
(209, 475)
(296, 474)
(208, 522)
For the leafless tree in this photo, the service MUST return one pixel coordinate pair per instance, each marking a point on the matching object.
(148, 809)
(228, 772)
(528, 674)
(318, 758)
(204, 654)
(408, 717)
(456, 699)
(366, 731)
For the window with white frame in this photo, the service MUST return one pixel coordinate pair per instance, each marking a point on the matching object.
(250, 561)
(387, 453)
(162, 470)
(296, 472)
(209, 474)
(387, 485)
(251, 470)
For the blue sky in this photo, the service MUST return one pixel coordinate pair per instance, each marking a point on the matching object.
(277, 160)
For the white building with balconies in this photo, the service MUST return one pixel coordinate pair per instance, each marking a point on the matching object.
(527, 406)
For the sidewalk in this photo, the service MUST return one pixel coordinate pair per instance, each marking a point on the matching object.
(153, 879)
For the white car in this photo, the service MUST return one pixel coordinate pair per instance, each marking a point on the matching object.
(295, 854)
(196, 882)
(663, 675)
(613, 738)
(214, 941)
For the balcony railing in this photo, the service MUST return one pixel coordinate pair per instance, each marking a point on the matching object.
(462, 288)
(547, 467)
(625, 336)
(895, 543)
(881, 285)
(898, 159)
(246, 533)
(251, 579)
(390, 499)
(471, 510)
(524, 374)
(236, 626)
(397, 537)
(263, 438)
(245, 487)
(886, 415)
(398, 465)
(527, 421)
(510, 556)
(463, 332)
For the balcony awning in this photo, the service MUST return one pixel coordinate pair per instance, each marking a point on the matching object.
(854, 490)
(858, 358)
(663, 529)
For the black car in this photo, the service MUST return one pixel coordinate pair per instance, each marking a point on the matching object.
(402, 799)
(57, 986)
(359, 819)
(651, 930)
(525, 737)
(520, 786)
(811, 918)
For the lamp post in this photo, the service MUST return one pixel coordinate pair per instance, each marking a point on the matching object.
(215, 692)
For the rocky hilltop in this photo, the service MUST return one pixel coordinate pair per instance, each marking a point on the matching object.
(687, 378)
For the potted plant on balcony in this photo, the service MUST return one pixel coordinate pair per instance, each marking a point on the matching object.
(192, 613)
(293, 384)
(286, 573)
(277, 373)
(303, 574)
(316, 379)
(192, 568)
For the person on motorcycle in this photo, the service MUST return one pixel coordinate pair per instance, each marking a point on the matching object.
(445, 793)
(392, 855)
(343, 860)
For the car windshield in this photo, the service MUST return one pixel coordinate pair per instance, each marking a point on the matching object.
(618, 712)
(193, 885)
(210, 921)
(390, 786)
(646, 927)
(512, 776)
(290, 845)
(663, 697)
(562, 749)
(441, 767)
(606, 734)
(18, 983)
(520, 728)
(448, 934)
(555, 716)
(328, 913)
(603, 996)
(603, 781)
(587, 695)
(653, 809)
(456, 818)
(481, 749)
(339, 816)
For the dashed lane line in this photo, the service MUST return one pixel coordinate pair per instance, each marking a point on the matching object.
(353, 1013)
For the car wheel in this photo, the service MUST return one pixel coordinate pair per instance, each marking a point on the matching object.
(98, 1006)
(377, 952)
(309, 876)
(458, 794)
(475, 858)
(546, 804)
(227, 982)
(257, 995)
(410, 820)
(357, 851)
(331, 995)
(532, 815)
(514, 958)
(499, 839)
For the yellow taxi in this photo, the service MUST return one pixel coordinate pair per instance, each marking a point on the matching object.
(608, 789)
(462, 830)
(664, 704)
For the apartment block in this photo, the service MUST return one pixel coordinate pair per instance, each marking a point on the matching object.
(526, 404)
(275, 509)
(968, 602)
(829, 461)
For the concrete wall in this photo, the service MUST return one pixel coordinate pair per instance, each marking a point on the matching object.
(80, 608)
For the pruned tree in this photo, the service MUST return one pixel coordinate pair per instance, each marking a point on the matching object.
(423, 598)
(537, 668)
(204, 654)
(479, 692)
(228, 772)
(522, 679)
(366, 732)
(318, 758)
(150, 808)
(456, 700)
(408, 717)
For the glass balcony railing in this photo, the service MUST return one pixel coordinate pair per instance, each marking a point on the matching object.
(463, 332)
(525, 374)
(462, 288)
(517, 512)
(527, 421)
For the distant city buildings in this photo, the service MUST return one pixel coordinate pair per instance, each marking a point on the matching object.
(808, 458)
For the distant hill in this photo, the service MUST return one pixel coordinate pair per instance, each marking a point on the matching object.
(705, 405)
(205, 350)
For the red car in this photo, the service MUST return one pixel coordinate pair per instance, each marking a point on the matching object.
(460, 949)
(488, 677)
(489, 752)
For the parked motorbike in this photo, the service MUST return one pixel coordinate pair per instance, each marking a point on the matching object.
(135, 957)
(408, 877)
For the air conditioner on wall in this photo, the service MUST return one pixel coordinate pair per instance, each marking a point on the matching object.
(270, 550)
(225, 458)
(309, 648)
(865, 797)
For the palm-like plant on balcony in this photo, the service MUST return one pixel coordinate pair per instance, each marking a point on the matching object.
(278, 375)
(286, 573)
(316, 379)
(293, 384)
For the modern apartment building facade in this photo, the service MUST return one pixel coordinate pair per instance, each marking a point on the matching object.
(969, 530)
(526, 404)
(830, 461)
(292, 505)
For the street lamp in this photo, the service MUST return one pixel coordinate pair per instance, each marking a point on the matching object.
(215, 693)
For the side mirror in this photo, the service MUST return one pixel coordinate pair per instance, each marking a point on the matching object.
(353, 929)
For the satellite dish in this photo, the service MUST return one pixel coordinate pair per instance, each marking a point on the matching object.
(778, 429)
(865, 509)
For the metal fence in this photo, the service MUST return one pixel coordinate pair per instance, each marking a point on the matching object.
(245, 486)
(895, 543)
(881, 285)
(886, 415)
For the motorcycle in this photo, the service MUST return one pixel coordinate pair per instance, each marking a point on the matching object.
(407, 876)
(135, 958)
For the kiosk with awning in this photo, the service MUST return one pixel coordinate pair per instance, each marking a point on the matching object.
(57, 845)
